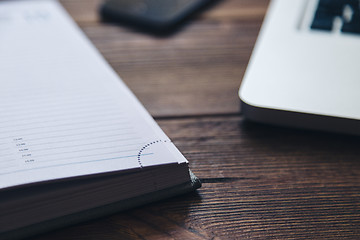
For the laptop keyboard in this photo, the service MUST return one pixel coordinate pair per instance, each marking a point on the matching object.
(328, 10)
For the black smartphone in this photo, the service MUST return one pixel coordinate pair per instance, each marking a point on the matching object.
(157, 16)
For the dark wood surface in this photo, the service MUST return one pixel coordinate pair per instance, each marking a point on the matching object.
(259, 182)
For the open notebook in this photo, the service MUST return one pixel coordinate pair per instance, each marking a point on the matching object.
(75, 143)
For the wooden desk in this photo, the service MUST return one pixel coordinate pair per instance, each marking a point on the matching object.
(259, 182)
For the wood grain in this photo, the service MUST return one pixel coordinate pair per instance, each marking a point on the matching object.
(259, 182)
(197, 71)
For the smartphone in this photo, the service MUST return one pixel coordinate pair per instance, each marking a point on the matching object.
(151, 15)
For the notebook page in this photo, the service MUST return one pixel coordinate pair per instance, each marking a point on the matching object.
(63, 110)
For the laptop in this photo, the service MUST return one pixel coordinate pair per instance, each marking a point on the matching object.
(305, 68)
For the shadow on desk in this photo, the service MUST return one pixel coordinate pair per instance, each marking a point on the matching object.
(304, 156)
(304, 140)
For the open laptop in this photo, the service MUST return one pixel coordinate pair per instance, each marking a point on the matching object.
(305, 67)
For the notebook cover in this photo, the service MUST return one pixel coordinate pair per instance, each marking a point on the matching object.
(102, 211)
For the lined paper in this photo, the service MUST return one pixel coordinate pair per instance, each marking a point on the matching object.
(63, 110)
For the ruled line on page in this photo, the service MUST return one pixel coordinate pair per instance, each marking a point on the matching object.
(64, 124)
(113, 139)
(78, 149)
(7, 160)
(79, 134)
(96, 143)
(84, 150)
(58, 118)
(52, 102)
(46, 95)
(53, 107)
(31, 145)
(83, 156)
(72, 113)
(54, 131)
(96, 124)
(96, 152)
(83, 93)
(4, 155)
(62, 107)
(82, 128)
(7, 167)
(7, 163)
(67, 122)
(77, 95)
(74, 163)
